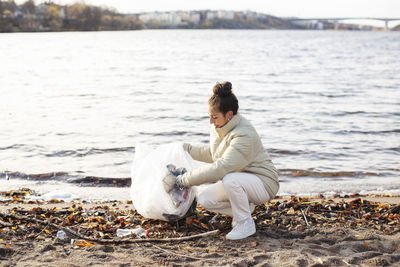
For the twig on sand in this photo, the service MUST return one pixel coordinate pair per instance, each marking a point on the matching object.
(305, 218)
(176, 254)
(41, 231)
(109, 241)
(348, 264)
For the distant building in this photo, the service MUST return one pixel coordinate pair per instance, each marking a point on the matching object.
(195, 17)
(18, 13)
(172, 18)
(167, 18)
(249, 15)
(316, 25)
(147, 17)
(189, 17)
(210, 15)
(63, 12)
(41, 10)
(222, 14)
(310, 24)
(185, 15)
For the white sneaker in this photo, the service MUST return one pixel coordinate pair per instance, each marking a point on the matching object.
(234, 223)
(242, 229)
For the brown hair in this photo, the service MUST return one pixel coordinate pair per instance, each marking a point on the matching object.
(223, 98)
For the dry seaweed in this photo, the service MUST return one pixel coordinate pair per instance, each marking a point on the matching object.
(99, 223)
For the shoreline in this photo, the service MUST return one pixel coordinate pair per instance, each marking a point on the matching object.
(93, 188)
(298, 231)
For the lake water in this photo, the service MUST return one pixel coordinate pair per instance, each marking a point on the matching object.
(325, 103)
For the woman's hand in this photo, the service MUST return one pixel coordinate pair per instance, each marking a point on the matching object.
(173, 178)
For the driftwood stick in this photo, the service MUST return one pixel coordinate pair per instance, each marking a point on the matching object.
(305, 218)
(41, 231)
(118, 241)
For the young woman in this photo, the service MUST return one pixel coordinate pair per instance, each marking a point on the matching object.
(241, 171)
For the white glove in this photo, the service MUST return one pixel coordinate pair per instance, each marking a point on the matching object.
(170, 181)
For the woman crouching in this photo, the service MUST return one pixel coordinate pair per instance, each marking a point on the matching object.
(241, 172)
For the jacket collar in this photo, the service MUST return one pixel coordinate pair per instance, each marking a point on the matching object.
(228, 126)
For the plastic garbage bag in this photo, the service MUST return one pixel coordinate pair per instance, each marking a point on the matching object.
(147, 190)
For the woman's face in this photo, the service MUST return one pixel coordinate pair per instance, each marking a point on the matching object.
(217, 118)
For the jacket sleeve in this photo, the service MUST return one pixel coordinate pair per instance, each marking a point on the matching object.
(237, 155)
(200, 153)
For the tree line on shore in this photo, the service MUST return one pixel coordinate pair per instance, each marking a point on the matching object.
(49, 16)
(28, 17)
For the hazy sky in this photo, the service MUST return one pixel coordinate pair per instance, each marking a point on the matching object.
(285, 8)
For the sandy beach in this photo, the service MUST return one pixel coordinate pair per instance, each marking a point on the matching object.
(323, 231)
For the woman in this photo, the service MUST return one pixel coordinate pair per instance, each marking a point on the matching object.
(240, 170)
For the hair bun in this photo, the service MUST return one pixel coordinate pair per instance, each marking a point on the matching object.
(222, 89)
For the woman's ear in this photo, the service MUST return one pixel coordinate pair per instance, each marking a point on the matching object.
(229, 115)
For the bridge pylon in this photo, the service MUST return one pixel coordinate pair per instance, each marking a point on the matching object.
(336, 24)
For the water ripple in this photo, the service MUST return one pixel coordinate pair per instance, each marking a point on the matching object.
(367, 132)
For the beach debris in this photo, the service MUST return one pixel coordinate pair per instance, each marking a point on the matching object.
(61, 235)
(97, 224)
(83, 243)
(323, 212)
(16, 195)
(5, 224)
(137, 232)
(109, 223)
(305, 218)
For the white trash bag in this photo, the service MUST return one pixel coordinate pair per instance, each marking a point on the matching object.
(148, 171)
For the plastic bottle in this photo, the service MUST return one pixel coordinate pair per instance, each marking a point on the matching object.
(139, 232)
(61, 235)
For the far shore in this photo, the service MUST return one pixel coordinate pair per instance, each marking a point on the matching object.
(79, 16)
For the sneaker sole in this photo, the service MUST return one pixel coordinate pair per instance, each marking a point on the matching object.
(239, 238)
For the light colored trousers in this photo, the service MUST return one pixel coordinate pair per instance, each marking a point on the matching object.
(232, 196)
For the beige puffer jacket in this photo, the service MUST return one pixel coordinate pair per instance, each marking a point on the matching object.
(235, 147)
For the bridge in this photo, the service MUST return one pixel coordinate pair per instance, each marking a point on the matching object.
(336, 20)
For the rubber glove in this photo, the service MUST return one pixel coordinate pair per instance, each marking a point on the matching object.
(173, 178)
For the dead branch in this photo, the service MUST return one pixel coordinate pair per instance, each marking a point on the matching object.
(305, 218)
